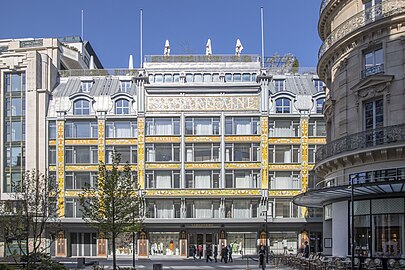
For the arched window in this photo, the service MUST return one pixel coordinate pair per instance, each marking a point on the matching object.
(81, 107)
(122, 106)
(319, 105)
(283, 105)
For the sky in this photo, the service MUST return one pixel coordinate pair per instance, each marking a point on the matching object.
(112, 26)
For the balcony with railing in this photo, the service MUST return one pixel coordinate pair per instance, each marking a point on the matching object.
(200, 58)
(97, 72)
(369, 71)
(387, 8)
(385, 136)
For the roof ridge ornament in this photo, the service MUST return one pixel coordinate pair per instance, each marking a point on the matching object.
(238, 48)
(166, 51)
(208, 48)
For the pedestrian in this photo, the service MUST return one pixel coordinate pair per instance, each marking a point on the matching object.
(285, 246)
(223, 253)
(262, 255)
(200, 251)
(230, 253)
(226, 254)
(208, 253)
(194, 252)
(215, 252)
(306, 249)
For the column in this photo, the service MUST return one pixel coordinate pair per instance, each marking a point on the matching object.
(143, 245)
(141, 153)
(222, 147)
(183, 244)
(60, 145)
(101, 137)
(182, 152)
(222, 240)
(304, 158)
(264, 138)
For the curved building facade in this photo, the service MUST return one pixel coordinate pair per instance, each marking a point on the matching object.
(362, 166)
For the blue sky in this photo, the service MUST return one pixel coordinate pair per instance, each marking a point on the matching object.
(112, 26)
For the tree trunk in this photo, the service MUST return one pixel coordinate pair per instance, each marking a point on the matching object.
(114, 252)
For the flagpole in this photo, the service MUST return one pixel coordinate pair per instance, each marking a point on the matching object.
(141, 45)
(262, 29)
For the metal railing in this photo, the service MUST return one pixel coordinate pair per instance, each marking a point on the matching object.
(372, 70)
(362, 140)
(97, 72)
(200, 58)
(386, 9)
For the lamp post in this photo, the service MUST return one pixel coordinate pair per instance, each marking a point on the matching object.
(265, 198)
(352, 219)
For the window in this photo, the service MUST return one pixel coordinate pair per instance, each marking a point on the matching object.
(81, 129)
(373, 10)
(202, 152)
(128, 154)
(247, 152)
(318, 84)
(158, 78)
(52, 130)
(122, 106)
(282, 208)
(125, 86)
(79, 180)
(202, 209)
(279, 85)
(162, 179)
(316, 128)
(121, 129)
(319, 105)
(242, 178)
(202, 125)
(163, 126)
(241, 209)
(162, 152)
(284, 128)
(81, 107)
(52, 155)
(284, 154)
(283, 105)
(15, 82)
(81, 154)
(168, 78)
(73, 208)
(373, 62)
(374, 114)
(86, 86)
(164, 208)
(242, 125)
(202, 179)
(285, 180)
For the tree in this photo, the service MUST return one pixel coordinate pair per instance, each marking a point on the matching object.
(29, 217)
(113, 207)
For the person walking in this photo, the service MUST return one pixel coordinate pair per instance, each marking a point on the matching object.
(262, 256)
(200, 251)
(194, 252)
(215, 253)
(223, 253)
(230, 253)
(208, 253)
(306, 249)
(226, 254)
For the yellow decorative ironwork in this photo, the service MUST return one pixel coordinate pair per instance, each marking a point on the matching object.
(169, 166)
(250, 165)
(284, 141)
(72, 193)
(242, 138)
(202, 192)
(84, 168)
(141, 152)
(61, 166)
(52, 142)
(168, 139)
(202, 103)
(83, 142)
(285, 167)
(208, 166)
(311, 167)
(304, 159)
(264, 136)
(281, 193)
(317, 140)
(121, 141)
(101, 140)
(202, 139)
(52, 168)
(121, 167)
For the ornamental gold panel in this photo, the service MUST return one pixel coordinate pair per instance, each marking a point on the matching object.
(250, 165)
(61, 165)
(52, 168)
(317, 140)
(208, 166)
(122, 167)
(285, 167)
(242, 139)
(166, 139)
(121, 141)
(52, 142)
(284, 141)
(101, 140)
(84, 168)
(141, 152)
(202, 139)
(304, 154)
(202, 192)
(283, 193)
(163, 166)
(81, 141)
(72, 193)
(311, 167)
(264, 142)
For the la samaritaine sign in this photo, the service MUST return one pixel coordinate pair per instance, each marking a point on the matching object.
(213, 103)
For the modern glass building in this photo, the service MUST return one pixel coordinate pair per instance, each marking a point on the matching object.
(218, 145)
(361, 170)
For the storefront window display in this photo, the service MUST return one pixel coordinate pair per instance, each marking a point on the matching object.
(283, 242)
(164, 243)
(124, 244)
(242, 243)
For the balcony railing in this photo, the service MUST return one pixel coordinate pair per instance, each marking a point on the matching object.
(362, 140)
(388, 8)
(372, 70)
(200, 58)
(97, 72)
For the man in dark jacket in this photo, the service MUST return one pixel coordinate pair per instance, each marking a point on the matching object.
(306, 249)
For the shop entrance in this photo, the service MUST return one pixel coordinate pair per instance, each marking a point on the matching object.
(202, 239)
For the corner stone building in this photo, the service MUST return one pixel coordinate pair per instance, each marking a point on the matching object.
(361, 61)
(215, 143)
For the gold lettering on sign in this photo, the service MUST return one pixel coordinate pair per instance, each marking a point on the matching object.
(287, 193)
(121, 141)
(284, 140)
(189, 166)
(162, 139)
(153, 166)
(281, 167)
(203, 139)
(208, 103)
(84, 168)
(317, 140)
(141, 152)
(81, 142)
(250, 165)
(202, 192)
(242, 138)
(264, 125)
(61, 166)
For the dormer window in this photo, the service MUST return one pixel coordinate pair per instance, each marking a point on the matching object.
(125, 86)
(318, 85)
(283, 105)
(81, 107)
(319, 105)
(85, 86)
(279, 85)
(122, 106)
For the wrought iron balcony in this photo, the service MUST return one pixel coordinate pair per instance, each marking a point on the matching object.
(200, 58)
(372, 70)
(97, 72)
(376, 137)
(386, 9)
